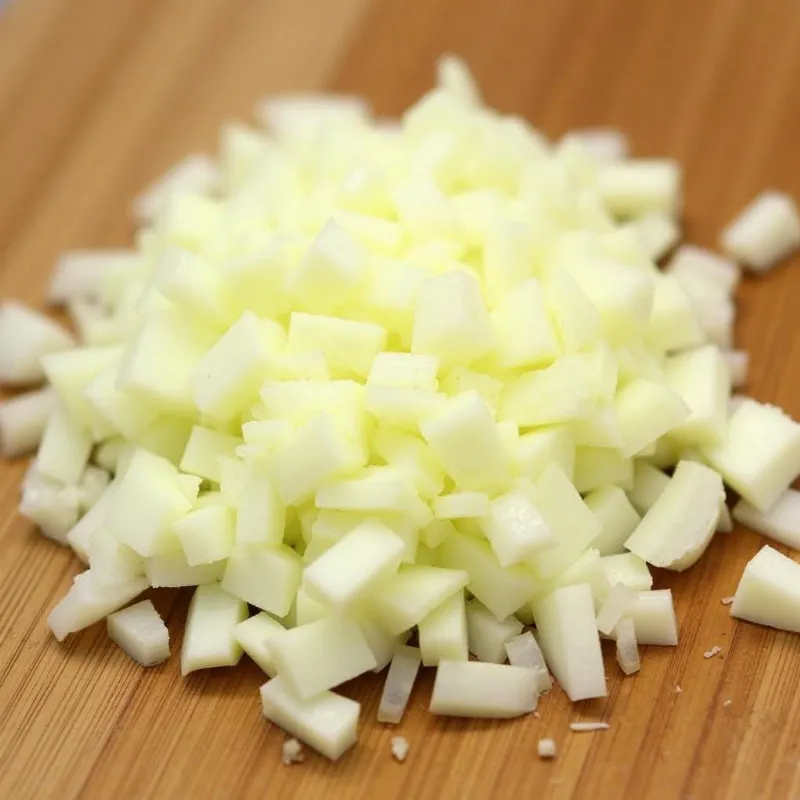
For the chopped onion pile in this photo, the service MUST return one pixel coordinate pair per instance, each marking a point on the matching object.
(375, 380)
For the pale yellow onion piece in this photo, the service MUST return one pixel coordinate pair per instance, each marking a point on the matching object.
(454, 76)
(568, 518)
(266, 577)
(327, 722)
(141, 633)
(406, 598)
(294, 115)
(443, 634)
(330, 271)
(55, 508)
(588, 568)
(602, 144)
(567, 634)
(487, 634)
(677, 529)
(474, 689)
(382, 643)
(634, 187)
(196, 173)
(616, 605)
(381, 490)
(503, 590)
(64, 449)
(108, 453)
(261, 512)
(647, 410)
(628, 569)
(654, 620)
(648, 483)
(760, 455)
(228, 377)
(738, 364)
(208, 640)
(152, 486)
(26, 336)
(515, 528)
(93, 274)
(23, 420)
(206, 534)
(769, 591)
(702, 379)
(321, 655)
(781, 522)
(172, 569)
(80, 535)
(354, 564)
(87, 603)
(409, 370)
(399, 683)
(627, 647)
(524, 651)
(253, 635)
(461, 505)
(307, 609)
(617, 516)
(113, 562)
(465, 437)
(692, 263)
(204, 450)
(656, 232)
(94, 482)
(766, 231)
(673, 323)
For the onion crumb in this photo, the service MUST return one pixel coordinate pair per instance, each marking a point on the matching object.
(726, 601)
(547, 748)
(727, 704)
(678, 689)
(292, 752)
(715, 650)
(589, 726)
(400, 748)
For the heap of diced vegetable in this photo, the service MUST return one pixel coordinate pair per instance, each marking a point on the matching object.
(376, 381)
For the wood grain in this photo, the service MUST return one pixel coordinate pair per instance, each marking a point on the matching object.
(97, 97)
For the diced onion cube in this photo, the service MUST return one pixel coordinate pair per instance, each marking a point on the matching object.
(764, 232)
(327, 722)
(141, 633)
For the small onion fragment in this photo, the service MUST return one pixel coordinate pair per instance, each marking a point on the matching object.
(627, 648)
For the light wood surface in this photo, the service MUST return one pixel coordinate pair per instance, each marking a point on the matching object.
(97, 97)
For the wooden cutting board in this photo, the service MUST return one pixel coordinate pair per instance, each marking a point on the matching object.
(98, 97)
